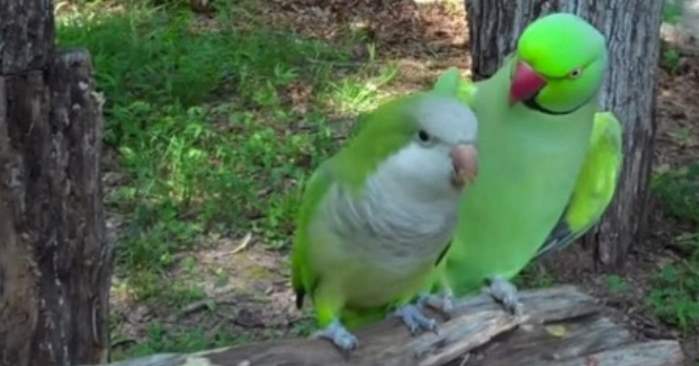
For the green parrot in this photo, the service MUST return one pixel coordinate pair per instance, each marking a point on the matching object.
(548, 160)
(376, 216)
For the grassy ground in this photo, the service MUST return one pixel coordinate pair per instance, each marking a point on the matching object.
(215, 121)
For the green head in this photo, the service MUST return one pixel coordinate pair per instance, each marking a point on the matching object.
(559, 64)
(426, 139)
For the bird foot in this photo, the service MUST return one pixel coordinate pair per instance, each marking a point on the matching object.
(339, 336)
(443, 303)
(414, 319)
(505, 293)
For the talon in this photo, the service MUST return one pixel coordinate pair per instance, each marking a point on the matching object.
(339, 336)
(414, 319)
(505, 293)
(443, 303)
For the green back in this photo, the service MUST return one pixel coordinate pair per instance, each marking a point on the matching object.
(528, 162)
(383, 132)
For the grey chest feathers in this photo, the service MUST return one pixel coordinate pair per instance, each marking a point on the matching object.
(389, 221)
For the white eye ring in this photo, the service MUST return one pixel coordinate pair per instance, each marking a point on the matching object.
(575, 73)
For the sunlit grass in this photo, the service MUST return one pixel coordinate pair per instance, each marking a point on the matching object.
(205, 126)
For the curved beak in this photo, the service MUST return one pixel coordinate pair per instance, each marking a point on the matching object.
(464, 159)
(525, 83)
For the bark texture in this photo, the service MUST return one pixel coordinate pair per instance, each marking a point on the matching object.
(632, 32)
(26, 35)
(562, 326)
(55, 264)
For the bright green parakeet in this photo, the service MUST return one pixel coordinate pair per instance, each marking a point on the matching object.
(376, 216)
(548, 162)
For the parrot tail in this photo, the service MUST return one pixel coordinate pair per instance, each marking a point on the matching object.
(300, 293)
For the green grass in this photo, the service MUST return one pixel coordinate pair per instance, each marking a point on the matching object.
(670, 59)
(672, 11)
(675, 294)
(616, 284)
(204, 125)
(209, 136)
(160, 339)
(678, 191)
(670, 56)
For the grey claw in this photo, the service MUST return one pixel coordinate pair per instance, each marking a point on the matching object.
(505, 292)
(443, 303)
(414, 319)
(339, 336)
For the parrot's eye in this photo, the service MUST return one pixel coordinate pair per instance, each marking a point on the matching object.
(423, 136)
(575, 73)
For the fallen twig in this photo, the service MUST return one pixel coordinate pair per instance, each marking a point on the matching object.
(244, 244)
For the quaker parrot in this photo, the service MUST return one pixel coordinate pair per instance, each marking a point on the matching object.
(548, 160)
(376, 216)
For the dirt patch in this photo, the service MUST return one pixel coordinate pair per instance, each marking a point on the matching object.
(247, 293)
(425, 38)
(677, 138)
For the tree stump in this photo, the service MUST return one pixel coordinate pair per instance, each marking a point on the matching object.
(55, 264)
(560, 326)
(632, 30)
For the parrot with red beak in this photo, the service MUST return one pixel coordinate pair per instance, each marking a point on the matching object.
(549, 160)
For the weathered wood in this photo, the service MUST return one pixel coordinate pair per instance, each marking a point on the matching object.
(560, 324)
(554, 341)
(26, 35)
(55, 264)
(655, 353)
(632, 31)
(54, 261)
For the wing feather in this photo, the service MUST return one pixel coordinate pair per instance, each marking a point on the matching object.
(595, 185)
(303, 279)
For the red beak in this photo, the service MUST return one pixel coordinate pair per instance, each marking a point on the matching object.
(525, 83)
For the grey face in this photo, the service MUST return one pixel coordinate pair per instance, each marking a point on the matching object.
(445, 120)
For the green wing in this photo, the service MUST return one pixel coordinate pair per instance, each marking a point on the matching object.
(451, 84)
(595, 186)
(302, 277)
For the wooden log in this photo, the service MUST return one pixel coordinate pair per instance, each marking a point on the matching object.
(560, 326)
(655, 353)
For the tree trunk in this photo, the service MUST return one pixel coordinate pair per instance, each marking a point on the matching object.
(55, 265)
(632, 32)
